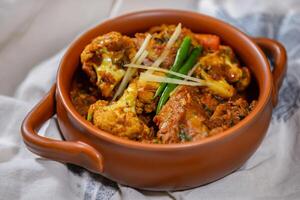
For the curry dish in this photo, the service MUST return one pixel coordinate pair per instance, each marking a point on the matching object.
(166, 85)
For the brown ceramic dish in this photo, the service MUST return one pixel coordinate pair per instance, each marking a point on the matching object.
(158, 166)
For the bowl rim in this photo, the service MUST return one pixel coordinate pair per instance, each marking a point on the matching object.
(264, 97)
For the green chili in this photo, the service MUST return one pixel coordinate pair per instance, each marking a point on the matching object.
(181, 55)
(188, 65)
(89, 116)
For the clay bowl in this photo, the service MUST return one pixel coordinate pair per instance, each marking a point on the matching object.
(158, 166)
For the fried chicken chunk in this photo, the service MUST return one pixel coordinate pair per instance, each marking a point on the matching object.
(103, 60)
(120, 118)
(228, 114)
(145, 102)
(160, 37)
(182, 118)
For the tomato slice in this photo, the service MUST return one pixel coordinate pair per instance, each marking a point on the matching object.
(208, 41)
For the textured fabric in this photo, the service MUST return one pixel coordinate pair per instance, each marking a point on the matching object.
(273, 172)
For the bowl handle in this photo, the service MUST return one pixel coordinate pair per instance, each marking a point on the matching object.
(78, 153)
(277, 53)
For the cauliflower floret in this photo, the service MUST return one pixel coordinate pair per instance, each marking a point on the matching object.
(104, 58)
(223, 72)
(222, 64)
(219, 87)
(120, 118)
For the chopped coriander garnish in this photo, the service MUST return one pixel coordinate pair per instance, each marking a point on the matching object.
(183, 136)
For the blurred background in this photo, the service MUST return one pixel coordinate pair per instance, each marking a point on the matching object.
(34, 30)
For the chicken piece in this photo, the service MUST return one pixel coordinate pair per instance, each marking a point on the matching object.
(83, 94)
(120, 118)
(182, 117)
(243, 83)
(222, 64)
(146, 91)
(209, 101)
(104, 58)
(228, 114)
(160, 37)
(145, 102)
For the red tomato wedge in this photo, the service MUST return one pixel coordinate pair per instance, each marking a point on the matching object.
(208, 41)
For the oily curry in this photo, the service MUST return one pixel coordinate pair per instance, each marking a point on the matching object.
(166, 85)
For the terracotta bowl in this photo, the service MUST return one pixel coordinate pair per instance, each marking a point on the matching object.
(158, 166)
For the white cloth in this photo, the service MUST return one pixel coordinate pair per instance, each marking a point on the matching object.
(273, 172)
